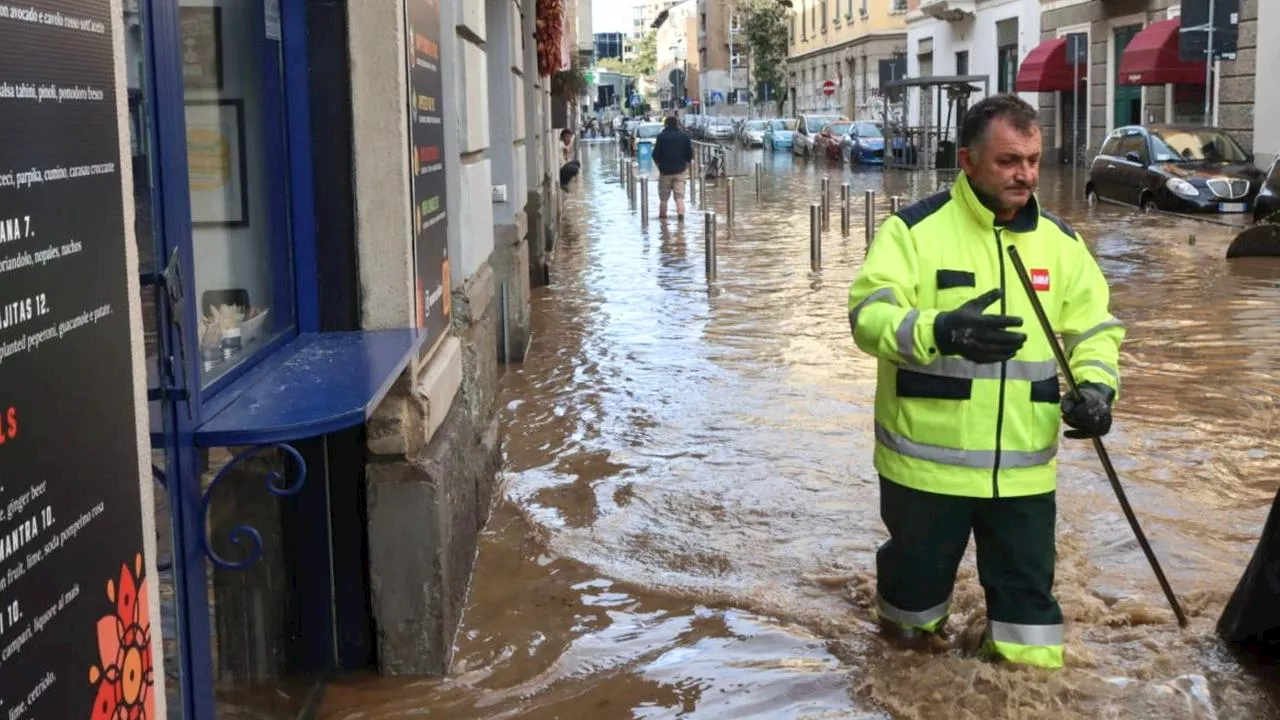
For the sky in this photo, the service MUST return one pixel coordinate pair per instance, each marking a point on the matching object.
(610, 16)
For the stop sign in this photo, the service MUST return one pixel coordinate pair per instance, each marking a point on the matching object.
(829, 87)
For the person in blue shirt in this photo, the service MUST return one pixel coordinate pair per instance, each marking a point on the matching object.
(672, 153)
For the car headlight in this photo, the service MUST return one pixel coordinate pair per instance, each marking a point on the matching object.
(1182, 188)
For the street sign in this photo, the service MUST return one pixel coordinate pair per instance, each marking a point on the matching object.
(829, 87)
(676, 77)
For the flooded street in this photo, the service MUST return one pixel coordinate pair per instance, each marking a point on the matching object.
(691, 512)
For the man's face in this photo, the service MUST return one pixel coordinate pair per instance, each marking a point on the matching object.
(1004, 166)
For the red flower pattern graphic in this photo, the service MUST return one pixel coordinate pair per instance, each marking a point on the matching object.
(125, 678)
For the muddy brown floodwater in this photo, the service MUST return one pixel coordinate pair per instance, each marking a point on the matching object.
(691, 511)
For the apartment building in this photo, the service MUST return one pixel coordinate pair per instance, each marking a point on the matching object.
(983, 39)
(1129, 52)
(836, 51)
(723, 58)
(676, 44)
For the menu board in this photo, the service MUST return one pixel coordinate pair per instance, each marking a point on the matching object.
(75, 636)
(426, 152)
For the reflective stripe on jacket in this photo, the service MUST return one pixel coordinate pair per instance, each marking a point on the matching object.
(948, 425)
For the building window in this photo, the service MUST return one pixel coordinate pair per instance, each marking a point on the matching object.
(791, 34)
(864, 8)
(824, 15)
(702, 22)
(1006, 67)
(1006, 54)
(849, 13)
(804, 23)
(962, 62)
(899, 6)
(865, 61)
(243, 275)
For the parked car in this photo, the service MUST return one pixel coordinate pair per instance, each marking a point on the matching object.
(827, 142)
(780, 134)
(1268, 201)
(807, 128)
(864, 144)
(719, 128)
(646, 135)
(751, 133)
(1174, 168)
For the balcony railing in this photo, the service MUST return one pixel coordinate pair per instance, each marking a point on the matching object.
(948, 10)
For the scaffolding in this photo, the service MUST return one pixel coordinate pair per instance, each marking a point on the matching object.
(926, 146)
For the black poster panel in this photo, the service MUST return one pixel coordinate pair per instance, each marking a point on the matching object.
(426, 135)
(75, 634)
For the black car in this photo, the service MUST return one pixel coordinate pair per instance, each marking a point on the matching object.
(1174, 168)
(1268, 200)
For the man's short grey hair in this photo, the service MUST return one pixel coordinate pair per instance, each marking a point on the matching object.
(1010, 107)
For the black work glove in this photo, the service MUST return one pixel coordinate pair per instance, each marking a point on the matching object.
(965, 331)
(1089, 414)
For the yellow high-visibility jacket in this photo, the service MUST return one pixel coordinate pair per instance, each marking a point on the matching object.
(954, 427)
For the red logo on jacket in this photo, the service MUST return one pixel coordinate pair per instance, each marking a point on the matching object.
(1040, 280)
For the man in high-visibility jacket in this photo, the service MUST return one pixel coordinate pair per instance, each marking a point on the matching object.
(967, 401)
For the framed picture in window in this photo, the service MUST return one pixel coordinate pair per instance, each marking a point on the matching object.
(201, 47)
(216, 167)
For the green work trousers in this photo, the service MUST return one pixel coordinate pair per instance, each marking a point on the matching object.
(928, 533)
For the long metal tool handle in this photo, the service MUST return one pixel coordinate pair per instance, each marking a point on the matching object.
(1098, 447)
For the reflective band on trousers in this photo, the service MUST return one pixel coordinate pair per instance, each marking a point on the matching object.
(884, 295)
(984, 459)
(1074, 340)
(920, 619)
(1038, 635)
(1104, 367)
(958, 367)
(906, 336)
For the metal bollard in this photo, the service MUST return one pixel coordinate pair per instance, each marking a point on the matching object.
(759, 184)
(871, 216)
(702, 191)
(895, 204)
(728, 193)
(815, 236)
(644, 201)
(826, 203)
(844, 210)
(709, 235)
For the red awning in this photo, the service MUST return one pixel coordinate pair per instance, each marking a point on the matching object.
(1045, 69)
(1151, 58)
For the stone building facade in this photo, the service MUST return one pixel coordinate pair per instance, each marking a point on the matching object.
(842, 41)
(1110, 25)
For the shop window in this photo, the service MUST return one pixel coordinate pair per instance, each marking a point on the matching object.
(237, 181)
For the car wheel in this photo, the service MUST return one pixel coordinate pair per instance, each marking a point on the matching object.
(1148, 203)
(1090, 196)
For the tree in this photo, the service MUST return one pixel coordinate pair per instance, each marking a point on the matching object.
(615, 65)
(765, 24)
(645, 62)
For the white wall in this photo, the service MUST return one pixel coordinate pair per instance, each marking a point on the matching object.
(1266, 109)
(978, 37)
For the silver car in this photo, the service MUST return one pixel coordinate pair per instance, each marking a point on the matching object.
(751, 133)
(807, 129)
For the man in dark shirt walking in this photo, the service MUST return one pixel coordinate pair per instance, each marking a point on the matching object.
(672, 152)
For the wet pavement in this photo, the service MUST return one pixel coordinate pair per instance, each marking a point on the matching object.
(691, 512)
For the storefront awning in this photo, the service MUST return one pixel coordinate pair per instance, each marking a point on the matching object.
(1151, 58)
(1046, 69)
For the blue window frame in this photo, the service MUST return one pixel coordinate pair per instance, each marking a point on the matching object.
(279, 62)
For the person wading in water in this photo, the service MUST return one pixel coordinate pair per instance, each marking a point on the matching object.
(967, 408)
(672, 153)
